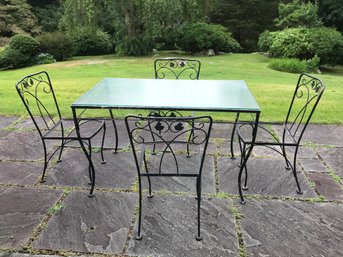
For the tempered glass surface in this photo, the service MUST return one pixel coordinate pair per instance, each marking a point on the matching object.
(206, 95)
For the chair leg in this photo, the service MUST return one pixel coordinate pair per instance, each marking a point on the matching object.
(102, 145)
(294, 169)
(198, 237)
(150, 195)
(242, 165)
(233, 135)
(46, 161)
(60, 154)
(284, 154)
(115, 132)
(139, 236)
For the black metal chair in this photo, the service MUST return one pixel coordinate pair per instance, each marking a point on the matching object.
(170, 136)
(307, 94)
(37, 94)
(177, 68)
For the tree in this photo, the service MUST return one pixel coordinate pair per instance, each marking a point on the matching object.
(331, 11)
(246, 19)
(298, 14)
(16, 17)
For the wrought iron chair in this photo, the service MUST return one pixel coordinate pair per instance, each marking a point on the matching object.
(37, 94)
(307, 94)
(177, 68)
(170, 134)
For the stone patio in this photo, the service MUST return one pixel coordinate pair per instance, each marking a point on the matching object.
(57, 218)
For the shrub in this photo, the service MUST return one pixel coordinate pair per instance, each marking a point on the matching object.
(305, 43)
(25, 44)
(88, 42)
(293, 65)
(21, 52)
(200, 36)
(133, 46)
(45, 58)
(58, 44)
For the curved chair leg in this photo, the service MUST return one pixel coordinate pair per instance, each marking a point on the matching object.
(102, 145)
(299, 191)
(46, 161)
(198, 237)
(245, 187)
(139, 236)
(233, 135)
(115, 131)
(60, 154)
(284, 154)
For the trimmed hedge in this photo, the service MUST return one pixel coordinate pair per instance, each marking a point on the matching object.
(58, 44)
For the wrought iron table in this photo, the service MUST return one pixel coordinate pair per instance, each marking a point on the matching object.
(178, 95)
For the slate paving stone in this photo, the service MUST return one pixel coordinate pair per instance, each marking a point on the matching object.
(28, 125)
(90, 225)
(327, 187)
(22, 145)
(6, 121)
(22, 209)
(267, 177)
(333, 157)
(321, 134)
(313, 165)
(20, 173)
(224, 148)
(221, 130)
(303, 152)
(280, 228)
(183, 184)
(169, 227)
(119, 171)
(30, 255)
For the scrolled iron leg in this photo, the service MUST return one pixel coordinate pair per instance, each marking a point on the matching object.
(233, 135)
(299, 191)
(102, 145)
(115, 132)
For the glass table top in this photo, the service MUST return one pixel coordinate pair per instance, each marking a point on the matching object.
(201, 95)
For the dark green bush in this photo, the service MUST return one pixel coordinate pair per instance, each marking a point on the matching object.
(25, 44)
(21, 52)
(133, 46)
(58, 44)
(89, 42)
(197, 37)
(294, 65)
(304, 43)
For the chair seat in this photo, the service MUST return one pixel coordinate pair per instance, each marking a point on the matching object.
(88, 129)
(265, 134)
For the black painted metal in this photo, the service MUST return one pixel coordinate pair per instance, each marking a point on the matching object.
(305, 99)
(169, 133)
(37, 94)
(178, 68)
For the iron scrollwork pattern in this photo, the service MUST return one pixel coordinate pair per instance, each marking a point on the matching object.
(177, 68)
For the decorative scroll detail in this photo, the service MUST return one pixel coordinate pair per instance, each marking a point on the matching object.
(307, 94)
(167, 132)
(36, 92)
(178, 68)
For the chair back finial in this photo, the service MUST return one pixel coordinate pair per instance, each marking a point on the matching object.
(37, 94)
(177, 68)
(305, 99)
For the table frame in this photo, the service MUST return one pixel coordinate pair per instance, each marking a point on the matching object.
(256, 113)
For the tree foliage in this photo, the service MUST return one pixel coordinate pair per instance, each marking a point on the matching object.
(16, 17)
(298, 14)
(331, 11)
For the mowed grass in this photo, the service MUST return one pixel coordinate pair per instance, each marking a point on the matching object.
(272, 89)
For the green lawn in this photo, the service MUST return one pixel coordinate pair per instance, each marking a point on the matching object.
(272, 89)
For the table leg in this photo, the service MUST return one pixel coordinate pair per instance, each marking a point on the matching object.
(88, 156)
(245, 156)
(115, 132)
(233, 135)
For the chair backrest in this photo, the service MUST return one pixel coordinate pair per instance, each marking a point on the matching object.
(37, 94)
(177, 68)
(305, 99)
(171, 136)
